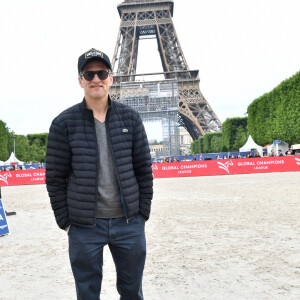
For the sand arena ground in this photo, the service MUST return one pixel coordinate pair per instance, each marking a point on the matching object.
(214, 237)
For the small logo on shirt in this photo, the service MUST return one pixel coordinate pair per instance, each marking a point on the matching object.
(125, 130)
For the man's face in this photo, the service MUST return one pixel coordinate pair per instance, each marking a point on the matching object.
(96, 88)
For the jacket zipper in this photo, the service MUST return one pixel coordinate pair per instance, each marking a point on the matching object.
(115, 168)
(97, 175)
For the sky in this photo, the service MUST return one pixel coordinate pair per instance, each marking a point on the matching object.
(242, 49)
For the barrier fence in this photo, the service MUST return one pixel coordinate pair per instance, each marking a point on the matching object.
(180, 169)
(227, 166)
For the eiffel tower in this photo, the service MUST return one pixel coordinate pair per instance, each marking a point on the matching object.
(144, 19)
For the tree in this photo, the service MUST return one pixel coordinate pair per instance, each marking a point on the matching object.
(234, 133)
(4, 136)
(216, 142)
(275, 115)
(240, 138)
(22, 148)
(28, 148)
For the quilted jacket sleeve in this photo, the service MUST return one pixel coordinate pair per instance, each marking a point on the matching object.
(142, 167)
(58, 167)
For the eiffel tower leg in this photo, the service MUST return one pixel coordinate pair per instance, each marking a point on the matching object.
(124, 61)
(134, 57)
(161, 51)
(191, 97)
(170, 48)
(127, 50)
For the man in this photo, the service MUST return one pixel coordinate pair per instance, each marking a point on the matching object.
(290, 152)
(100, 183)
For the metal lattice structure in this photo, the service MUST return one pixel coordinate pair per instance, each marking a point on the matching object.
(141, 19)
(156, 101)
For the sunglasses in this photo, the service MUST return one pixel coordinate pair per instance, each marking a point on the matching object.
(89, 75)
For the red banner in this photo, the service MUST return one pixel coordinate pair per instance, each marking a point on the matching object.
(22, 177)
(181, 169)
(227, 166)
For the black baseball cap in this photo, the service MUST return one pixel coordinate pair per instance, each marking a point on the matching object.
(92, 55)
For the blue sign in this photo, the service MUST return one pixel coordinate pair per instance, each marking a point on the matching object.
(276, 142)
(3, 222)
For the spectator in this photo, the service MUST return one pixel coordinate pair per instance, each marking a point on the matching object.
(3, 168)
(224, 156)
(21, 168)
(164, 160)
(155, 161)
(256, 154)
(194, 158)
(217, 156)
(170, 159)
(265, 154)
(272, 154)
(290, 152)
(176, 159)
(13, 168)
(185, 159)
(280, 153)
(201, 157)
(40, 166)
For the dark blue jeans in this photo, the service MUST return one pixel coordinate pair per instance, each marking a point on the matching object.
(127, 245)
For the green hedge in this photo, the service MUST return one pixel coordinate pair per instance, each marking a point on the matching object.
(276, 115)
(234, 133)
(210, 142)
(201, 144)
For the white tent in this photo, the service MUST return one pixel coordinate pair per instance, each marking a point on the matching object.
(13, 158)
(251, 145)
(1, 163)
(296, 146)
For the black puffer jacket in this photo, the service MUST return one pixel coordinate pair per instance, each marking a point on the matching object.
(72, 163)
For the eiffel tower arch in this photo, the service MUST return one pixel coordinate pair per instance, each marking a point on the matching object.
(144, 19)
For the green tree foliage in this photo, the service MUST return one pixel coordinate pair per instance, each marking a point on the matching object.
(194, 147)
(216, 143)
(31, 148)
(240, 138)
(4, 137)
(40, 139)
(38, 146)
(201, 144)
(212, 142)
(28, 148)
(197, 146)
(234, 133)
(275, 115)
(22, 148)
